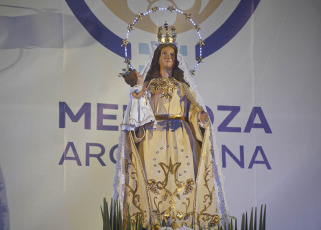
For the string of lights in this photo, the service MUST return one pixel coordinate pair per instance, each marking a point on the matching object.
(153, 10)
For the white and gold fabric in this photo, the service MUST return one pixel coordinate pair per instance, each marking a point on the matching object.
(171, 173)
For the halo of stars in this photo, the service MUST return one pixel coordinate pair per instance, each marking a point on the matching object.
(140, 16)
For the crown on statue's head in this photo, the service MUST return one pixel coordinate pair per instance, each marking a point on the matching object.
(167, 38)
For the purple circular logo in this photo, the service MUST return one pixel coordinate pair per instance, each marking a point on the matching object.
(214, 42)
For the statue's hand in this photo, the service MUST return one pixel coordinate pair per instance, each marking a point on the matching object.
(159, 91)
(204, 117)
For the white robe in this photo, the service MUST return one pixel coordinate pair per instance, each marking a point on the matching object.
(138, 112)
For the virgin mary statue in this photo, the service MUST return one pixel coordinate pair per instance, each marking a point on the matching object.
(172, 172)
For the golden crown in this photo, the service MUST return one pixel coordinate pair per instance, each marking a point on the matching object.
(167, 38)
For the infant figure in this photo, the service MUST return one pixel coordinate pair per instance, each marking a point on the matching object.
(139, 111)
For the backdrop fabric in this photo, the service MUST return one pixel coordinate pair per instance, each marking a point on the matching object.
(61, 103)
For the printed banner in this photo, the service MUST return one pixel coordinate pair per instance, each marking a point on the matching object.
(61, 102)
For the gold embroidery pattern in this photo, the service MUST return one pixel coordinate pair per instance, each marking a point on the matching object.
(164, 84)
(189, 186)
(152, 186)
(171, 170)
(131, 171)
(135, 180)
(214, 221)
(204, 216)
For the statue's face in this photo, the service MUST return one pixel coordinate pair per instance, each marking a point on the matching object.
(167, 58)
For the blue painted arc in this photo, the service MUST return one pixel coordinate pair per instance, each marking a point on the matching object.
(214, 42)
(96, 29)
(228, 29)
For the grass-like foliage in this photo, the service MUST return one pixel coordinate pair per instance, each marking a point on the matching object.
(252, 224)
(113, 219)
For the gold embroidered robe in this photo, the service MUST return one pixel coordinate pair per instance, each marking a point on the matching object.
(168, 172)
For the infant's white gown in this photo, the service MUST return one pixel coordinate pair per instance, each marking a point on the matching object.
(139, 111)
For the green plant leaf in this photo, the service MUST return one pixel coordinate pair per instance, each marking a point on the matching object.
(261, 220)
(255, 219)
(251, 220)
(264, 217)
(246, 222)
(163, 223)
(243, 223)
(120, 218)
(128, 227)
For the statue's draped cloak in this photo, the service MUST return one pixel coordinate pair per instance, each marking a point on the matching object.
(171, 172)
